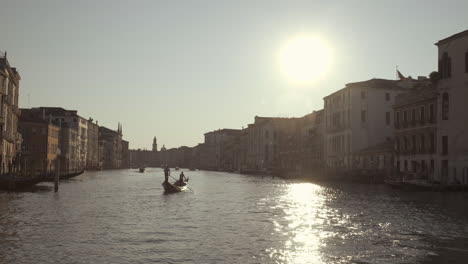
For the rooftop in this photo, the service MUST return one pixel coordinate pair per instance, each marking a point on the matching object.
(455, 36)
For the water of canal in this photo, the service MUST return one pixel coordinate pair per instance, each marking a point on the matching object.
(123, 217)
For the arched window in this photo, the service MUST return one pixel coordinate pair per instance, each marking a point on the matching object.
(445, 106)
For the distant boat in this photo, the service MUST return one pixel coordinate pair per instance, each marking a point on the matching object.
(142, 169)
(176, 168)
(176, 187)
(192, 169)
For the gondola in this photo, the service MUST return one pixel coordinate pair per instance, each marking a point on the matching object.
(67, 176)
(11, 183)
(174, 188)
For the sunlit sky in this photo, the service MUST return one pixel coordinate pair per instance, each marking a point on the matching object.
(177, 69)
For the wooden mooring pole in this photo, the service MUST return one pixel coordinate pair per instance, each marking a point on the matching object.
(57, 175)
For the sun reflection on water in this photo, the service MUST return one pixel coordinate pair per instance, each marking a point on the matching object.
(303, 224)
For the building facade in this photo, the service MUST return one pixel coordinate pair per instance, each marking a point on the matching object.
(218, 148)
(416, 132)
(92, 155)
(301, 152)
(452, 138)
(262, 142)
(10, 139)
(40, 144)
(110, 144)
(74, 124)
(358, 117)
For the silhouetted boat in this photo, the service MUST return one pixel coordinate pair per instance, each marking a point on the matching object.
(424, 185)
(142, 169)
(12, 182)
(173, 188)
(64, 176)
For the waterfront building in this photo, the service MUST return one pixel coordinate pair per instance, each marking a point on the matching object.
(452, 137)
(416, 132)
(40, 144)
(125, 155)
(10, 139)
(261, 143)
(218, 147)
(301, 152)
(70, 144)
(358, 117)
(71, 120)
(92, 156)
(110, 144)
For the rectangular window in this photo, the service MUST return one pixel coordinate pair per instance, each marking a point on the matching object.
(423, 143)
(421, 114)
(387, 118)
(405, 117)
(431, 112)
(398, 117)
(363, 116)
(387, 97)
(444, 145)
(432, 143)
(363, 94)
(466, 62)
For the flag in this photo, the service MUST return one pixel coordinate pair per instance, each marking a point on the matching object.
(400, 76)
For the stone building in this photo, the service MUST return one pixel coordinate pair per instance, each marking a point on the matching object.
(358, 117)
(110, 144)
(451, 164)
(92, 156)
(125, 155)
(70, 149)
(40, 144)
(10, 139)
(261, 143)
(218, 146)
(301, 152)
(74, 123)
(416, 132)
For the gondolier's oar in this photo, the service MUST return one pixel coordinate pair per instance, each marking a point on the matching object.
(178, 180)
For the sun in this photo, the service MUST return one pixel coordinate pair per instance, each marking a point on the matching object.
(305, 59)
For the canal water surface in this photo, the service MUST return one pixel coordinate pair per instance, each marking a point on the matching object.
(123, 217)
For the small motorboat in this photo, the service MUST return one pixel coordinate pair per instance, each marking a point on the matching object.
(142, 169)
(174, 187)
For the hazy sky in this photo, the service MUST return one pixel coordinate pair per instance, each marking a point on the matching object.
(177, 69)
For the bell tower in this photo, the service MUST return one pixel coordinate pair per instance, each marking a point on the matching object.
(155, 144)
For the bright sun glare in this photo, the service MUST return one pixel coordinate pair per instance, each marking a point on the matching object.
(305, 59)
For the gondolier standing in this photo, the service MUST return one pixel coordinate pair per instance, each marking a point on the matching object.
(167, 171)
